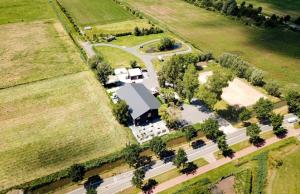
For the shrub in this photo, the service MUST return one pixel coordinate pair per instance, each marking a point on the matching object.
(257, 77)
(76, 172)
(272, 88)
(166, 44)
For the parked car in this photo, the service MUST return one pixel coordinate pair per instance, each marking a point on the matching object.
(292, 120)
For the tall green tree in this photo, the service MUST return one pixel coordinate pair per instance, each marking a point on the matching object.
(217, 82)
(157, 145)
(121, 112)
(263, 109)
(131, 154)
(180, 158)
(166, 44)
(245, 115)
(138, 178)
(253, 132)
(207, 97)
(91, 191)
(222, 144)
(190, 132)
(293, 101)
(276, 121)
(190, 82)
(104, 70)
(210, 127)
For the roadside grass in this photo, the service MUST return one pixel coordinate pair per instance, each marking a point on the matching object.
(164, 177)
(49, 125)
(117, 57)
(283, 7)
(34, 51)
(230, 168)
(95, 12)
(132, 40)
(285, 178)
(275, 51)
(119, 27)
(244, 144)
(24, 11)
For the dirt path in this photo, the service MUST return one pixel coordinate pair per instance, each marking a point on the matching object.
(218, 163)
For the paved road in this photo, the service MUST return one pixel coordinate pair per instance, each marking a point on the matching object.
(122, 181)
(151, 81)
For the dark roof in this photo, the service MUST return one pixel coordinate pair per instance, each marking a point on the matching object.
(138, 98)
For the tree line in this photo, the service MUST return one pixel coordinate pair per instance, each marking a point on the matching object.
(248, 13)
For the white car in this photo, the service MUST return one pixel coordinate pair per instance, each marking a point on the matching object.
(292, 120)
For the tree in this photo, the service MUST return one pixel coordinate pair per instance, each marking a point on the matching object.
(287, 18)
(263, 108)
(272, 88)
(190, 132)
(297, 21)
(121, 112)
(91, 191)
(293, 101)
(222, 144)
(76, 172)
(276, 121)
(230, 7)
(133, 64)
(245, 115)
(253, 131)
(137, 31)
(180, 158)
(168, 94)
(157, 145)
(210, 127)
(169, 114)
(257, 77)
(104, 70)
(217, 82)
(190, 82)
(131, 154)
(166, 44)
(138, 178)
(207, 97)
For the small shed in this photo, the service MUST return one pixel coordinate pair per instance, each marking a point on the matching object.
(87, 28)
(135, 74)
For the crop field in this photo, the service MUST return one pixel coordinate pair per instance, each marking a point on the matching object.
(61, 121)
(117, 58)
(24, 11)
(282, 7)
(274, 51)
(96, 12)
(285, 179)
(34, 51)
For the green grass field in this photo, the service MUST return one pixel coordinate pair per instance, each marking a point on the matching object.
(24, 10)
(34, 51)
(285, 179)
(96, 12)
(51, 124)
(117, 57)
(136, 40)
(279, 7)
(274, 51)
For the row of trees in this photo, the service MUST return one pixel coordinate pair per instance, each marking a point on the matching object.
(249, 12)
(146, 31)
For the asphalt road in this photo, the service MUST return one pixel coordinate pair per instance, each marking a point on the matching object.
(122, 181)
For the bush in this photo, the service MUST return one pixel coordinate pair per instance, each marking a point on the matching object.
(272, 88)
(166, 44)
(76, 172)
(257, 77)
(121, 112)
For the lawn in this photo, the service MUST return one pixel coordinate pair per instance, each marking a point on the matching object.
(273, 50)
(119, 27)
(117, 57)
(279, 7)
(96, 12)
(61, 121)
(34, 51)
(236, 166)
(152, 47)
(24, 11)
(132, 40)
(285, 179)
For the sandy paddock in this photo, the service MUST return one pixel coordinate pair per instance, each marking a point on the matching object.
(241, 93)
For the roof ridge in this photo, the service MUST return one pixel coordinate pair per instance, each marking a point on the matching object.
(145, 102)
